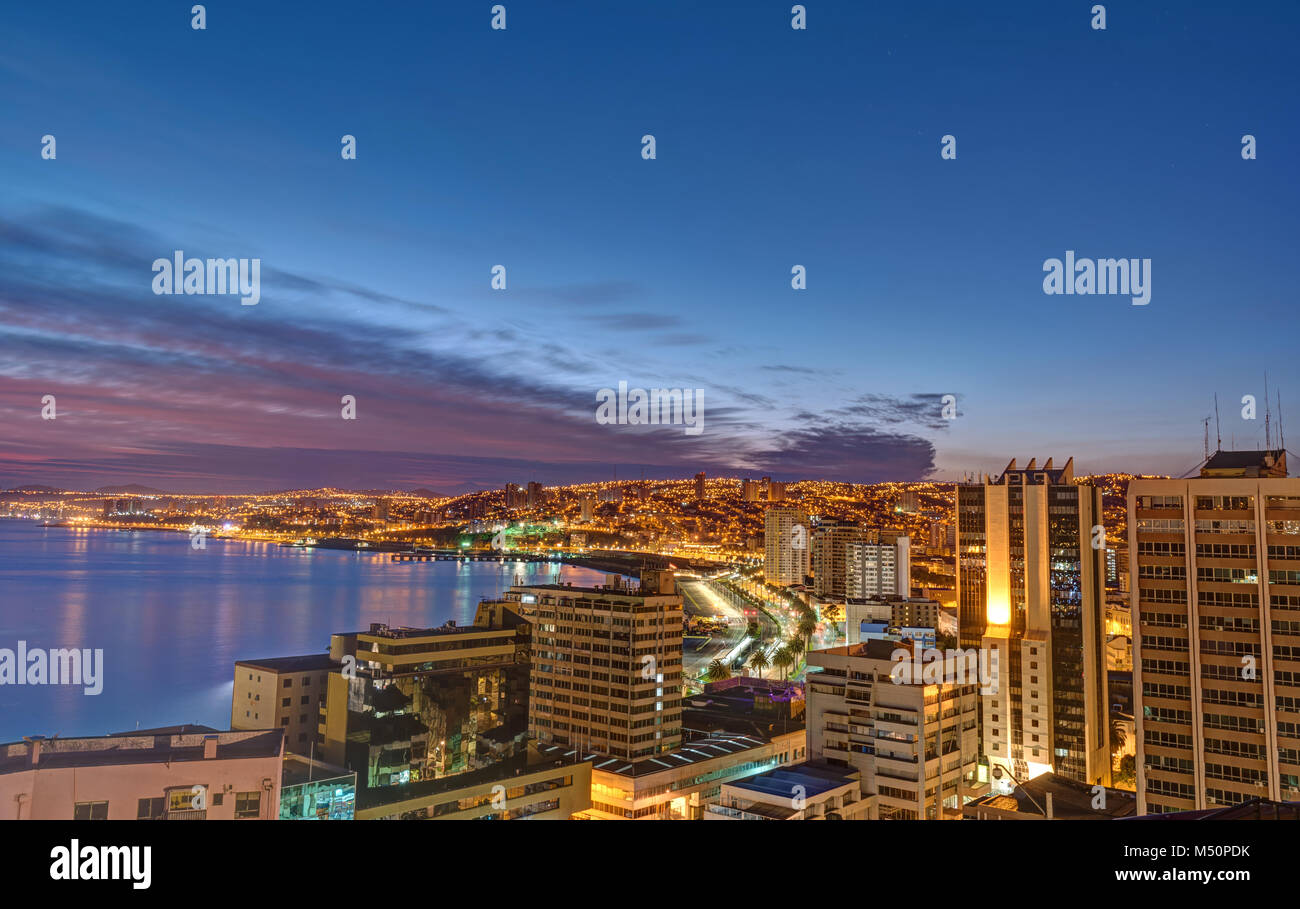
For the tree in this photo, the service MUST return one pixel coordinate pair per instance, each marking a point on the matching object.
(717, 671)
(1118, 738)
(760, 660)
(806, 628)
(786, 658)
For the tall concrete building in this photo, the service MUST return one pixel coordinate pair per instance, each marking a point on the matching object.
(699, 485)
(1216, 646)
(878, 566)
(749, 490)
(849, 560)
(785, 546)
(606, 665)
(914, 741)
(1031, 590)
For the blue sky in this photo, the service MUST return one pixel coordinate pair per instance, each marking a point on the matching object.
(522, 147)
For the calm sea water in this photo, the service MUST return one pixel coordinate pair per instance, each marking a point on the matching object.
(172, 620)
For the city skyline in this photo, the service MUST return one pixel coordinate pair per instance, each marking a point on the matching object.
(775, 148)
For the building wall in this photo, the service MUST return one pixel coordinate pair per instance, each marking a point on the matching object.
(51, 793)
(1215, 603)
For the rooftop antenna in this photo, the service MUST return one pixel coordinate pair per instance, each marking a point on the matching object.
(1218, 434)
(1281, 439)
(1206, 421)
(1268, 437)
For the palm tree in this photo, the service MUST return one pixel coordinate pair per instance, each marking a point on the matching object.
(784, 659)
(717, 671)
(806, 628)
(760, 660)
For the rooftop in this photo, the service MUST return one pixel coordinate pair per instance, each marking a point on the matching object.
(697, 752)
(1268, 463)
(814, 778)
(308, 663)
(145, 746)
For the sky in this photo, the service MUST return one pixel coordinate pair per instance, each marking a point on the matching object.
(522, 147)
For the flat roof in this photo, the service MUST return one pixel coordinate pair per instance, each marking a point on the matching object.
(143, 747)
(307, 663)
(814, 778)
(696, 752)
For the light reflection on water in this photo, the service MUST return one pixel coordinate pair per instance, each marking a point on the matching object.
(172, 620)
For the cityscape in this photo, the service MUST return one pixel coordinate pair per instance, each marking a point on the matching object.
(678, 411)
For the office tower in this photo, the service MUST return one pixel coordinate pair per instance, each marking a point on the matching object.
(282, 693)
(606, 665)
(915, 743)
(108, 507)
(699, 485)
(536, 495)
(174, 773)
(1216, 645)
(785, 546)
(878, 566)
(588, 506)
(1031, 589)
(413, 704)
(748, 491)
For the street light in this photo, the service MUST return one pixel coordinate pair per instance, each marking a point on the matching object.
(997, 775)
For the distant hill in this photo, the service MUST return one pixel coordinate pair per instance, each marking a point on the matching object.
(426, 493)
(131, 489)
(36, 489)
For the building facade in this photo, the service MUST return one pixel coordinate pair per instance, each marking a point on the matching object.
(1216, 634)
(1031, 591)
(606, 665)
(914, 741)
(786, 558)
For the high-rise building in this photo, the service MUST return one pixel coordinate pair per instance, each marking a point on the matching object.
(1031, 590)
(749, 490)
(514, 497)
(1216, 633)
(829, 558)
(536, 494)
(878, 566)
(914, 742)
(785, 546)
(699, 485)
(775, 492)
(588, 506)
(606, 665)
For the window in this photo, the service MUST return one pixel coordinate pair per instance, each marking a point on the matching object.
(305, 698)
(248, 805)
(288, 683)
(286, 702)
(151, 809)
(90, 811)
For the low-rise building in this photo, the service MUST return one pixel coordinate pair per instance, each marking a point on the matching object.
(802, 792)
(171, 773)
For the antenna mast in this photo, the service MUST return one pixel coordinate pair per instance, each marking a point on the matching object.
(1218, 434)
(1268, 436)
